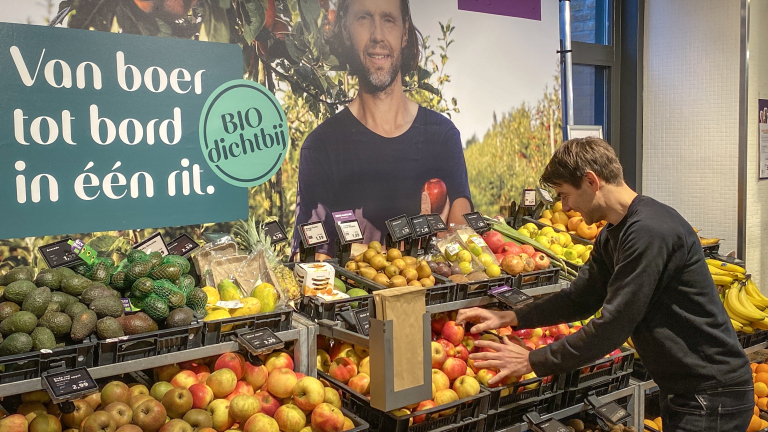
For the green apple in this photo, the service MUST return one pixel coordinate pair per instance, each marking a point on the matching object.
(475, 249)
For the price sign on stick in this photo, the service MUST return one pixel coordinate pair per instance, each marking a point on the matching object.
(475, 221)
(399, 228)
(421, 226)
(153, 243)
(436, 223)
(59, 254)
(349, 231)
(182, 245)
(259, 341)
(276, 232)
(69, 385)
(313, 234)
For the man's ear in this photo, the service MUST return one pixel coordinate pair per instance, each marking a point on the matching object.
(592, 181)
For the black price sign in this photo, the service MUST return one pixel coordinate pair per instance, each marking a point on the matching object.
(545, 196)
(421, 226)
(153, 243)
(529, 198)
(182, 245)
(349, 231)
(436, 223)
(313, 234)
(59, 254)
(612, 413)
(69, 385)
(399, 228)
(276, 232)
(550, 426)
(476, 221)
(363, 320)
(259, 341)
(512, 297)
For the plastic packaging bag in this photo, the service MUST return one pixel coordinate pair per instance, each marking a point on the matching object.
(477, 246)
(457, 253)
(210, 252)
(258, 281)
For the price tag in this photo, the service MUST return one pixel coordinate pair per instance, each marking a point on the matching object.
(128, 306)
(550, 426)
(259, 341)
(399, 228)
(153, 243)
(452, 248)
(612, 413)
(69, 385)
(475, 221)
(545, 196)
(343, 215)
(436, 223)
(363, 320)
(510, 296)
(59, 254)
(529, 198)
(421, 226)
(231, 304)
(313, 234)
(349, 231)
(276, 232)
(182, 245)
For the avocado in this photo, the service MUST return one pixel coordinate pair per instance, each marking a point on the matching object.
(108, 328)
(179, 317)
(75, 309)
(17, 274)
(108, 306)
(49, 278)
(83, 325)
(42, 338)
(75, 285)
(17, 291)
(37, 301)
(19, 322)
(7, 309)
(65, 272)
(53, 307)
(62, 299)
(95, 291)
(137, 324)
(58, 323)
(16, 343)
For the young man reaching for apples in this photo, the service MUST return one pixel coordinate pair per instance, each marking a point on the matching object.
(648, 274)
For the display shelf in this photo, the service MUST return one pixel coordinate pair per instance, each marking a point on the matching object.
(481, 301)
(150, 362)
(629, 391)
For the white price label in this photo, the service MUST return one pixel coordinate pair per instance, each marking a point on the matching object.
(479, 241)
(452, 248)
(314, 234)
(231, 304)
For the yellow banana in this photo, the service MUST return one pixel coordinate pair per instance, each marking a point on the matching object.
(725, 266)
(722, 280)
(762, 325)
(714, 271)
(754, 314)
(747, 330)
(737, 325)
(755, 296)
(730, 310)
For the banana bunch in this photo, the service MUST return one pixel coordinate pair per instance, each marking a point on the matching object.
(724, 274)
(745, 305)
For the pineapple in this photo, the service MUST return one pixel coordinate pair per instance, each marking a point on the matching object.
(252, 237)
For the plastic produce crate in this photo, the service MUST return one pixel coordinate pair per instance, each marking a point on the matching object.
(639, 372)
(444, 290)
(360, 424)
(513, 415)
(577, 396)
(537, 278)
(480, 289)
(469, 416)
(31, 365)
(277, 321)
(602, 376)
(517, 394)
(135, 347)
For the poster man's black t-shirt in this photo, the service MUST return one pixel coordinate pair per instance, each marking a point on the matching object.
(343, 165)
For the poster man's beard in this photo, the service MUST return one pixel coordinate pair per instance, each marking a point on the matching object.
(376, 81)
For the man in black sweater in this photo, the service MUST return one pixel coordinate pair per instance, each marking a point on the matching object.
(648, 274)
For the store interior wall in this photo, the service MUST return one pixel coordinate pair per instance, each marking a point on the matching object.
(691, 111)
(757, 191)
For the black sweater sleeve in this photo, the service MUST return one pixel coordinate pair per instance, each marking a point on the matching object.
(641, 257)
(577, 302)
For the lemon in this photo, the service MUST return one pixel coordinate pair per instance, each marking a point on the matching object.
(485, 259)
(565, 239)
(580, 249)
(556, 249)
(213, 295)
(524, 232)
(466, 267)
(546, 231)
(475, 249)
(464, 256)
(492, 271)
(217, 315)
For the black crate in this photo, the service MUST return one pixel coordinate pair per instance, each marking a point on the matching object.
(507, 417)
(745, 340)
(277, 321)
(136, 347)
(711, 250)
(517, 394)
(601, 370)
(759, 337)
(444, 290)
(537, 278)
(469, 416)
(480, 289)
(360, 424)
(577, 396)
(31, 365)
(639, 372)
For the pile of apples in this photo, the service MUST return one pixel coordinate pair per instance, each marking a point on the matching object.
(224, 393)
(515, 259)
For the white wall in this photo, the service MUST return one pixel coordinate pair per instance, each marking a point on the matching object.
(690, 109)
(757, 191)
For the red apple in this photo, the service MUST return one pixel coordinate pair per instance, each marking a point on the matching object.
(233, 361)
(202, 377)
(527, 249)
(242, 407)
(222, 382)
(278, 360)
(466, 387)
(241, 388)
(438, 194)
(309, 392)
(360, 383)
(485, 375)
(425, 405)
(531, 346)
(469, 341)
(339, 348)
(450, 349)
(471, 365)
(323, 343)
(523, 334)
(493, 239)
(198, 368)
(256, 376)
(202, 395)
(438, 322)
(509, 248)
(150, 416)
(185, 379)
(439, 355)
(327, 418)
(462, 352)
(269, 403)
(290, 418)
(342, 369)
(435, 336)
(281, 382)
(453, 333)
(454, 368)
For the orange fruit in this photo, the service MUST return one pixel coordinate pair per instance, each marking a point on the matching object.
(757, 411)
(754, 424)
(762, 403)
(761, 390)
(753, 366)
(762, 377)
(762, 367)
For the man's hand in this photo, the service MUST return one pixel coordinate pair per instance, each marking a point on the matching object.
(510, 359)
(485, 319)
(426, 207)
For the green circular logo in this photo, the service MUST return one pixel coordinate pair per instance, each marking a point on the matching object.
(243, 133)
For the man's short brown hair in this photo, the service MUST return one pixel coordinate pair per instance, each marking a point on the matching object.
(410, 55)
(575, 157)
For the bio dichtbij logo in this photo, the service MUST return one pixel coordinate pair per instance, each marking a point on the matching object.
(243, 133)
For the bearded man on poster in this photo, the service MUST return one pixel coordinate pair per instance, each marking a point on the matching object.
(376, 155)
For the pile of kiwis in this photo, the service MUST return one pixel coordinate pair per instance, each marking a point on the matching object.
(391, 269)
